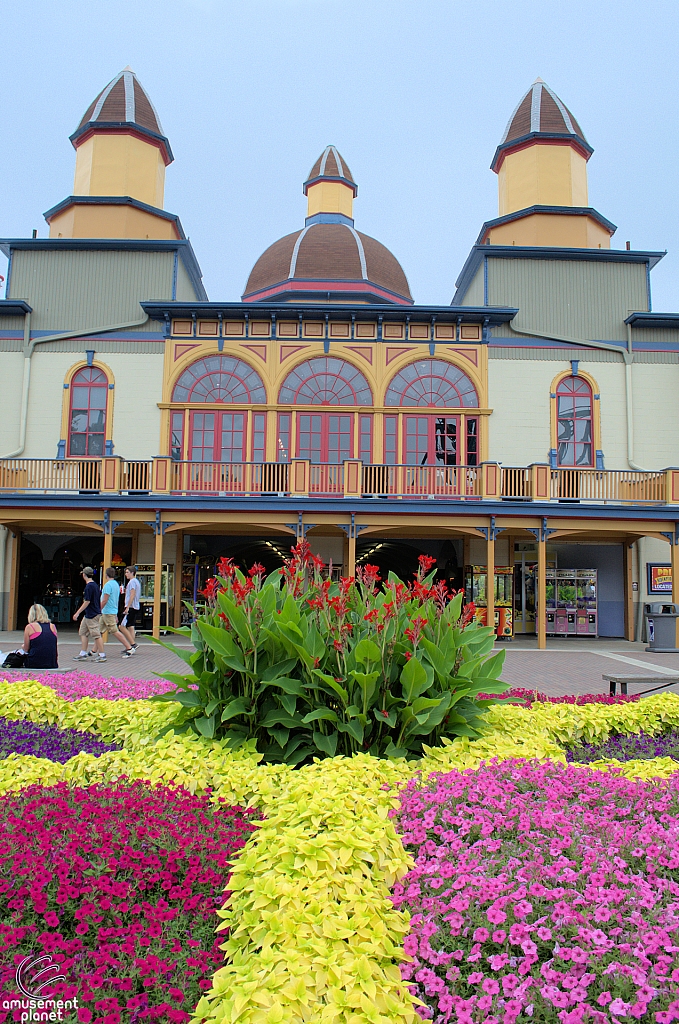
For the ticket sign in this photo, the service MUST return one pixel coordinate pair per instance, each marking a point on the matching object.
(659, 578)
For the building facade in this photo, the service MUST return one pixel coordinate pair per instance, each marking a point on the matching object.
(525, 435)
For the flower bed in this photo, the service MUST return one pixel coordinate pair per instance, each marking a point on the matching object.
(313, 934)
(635, 746)
(527, 697)
(119, 884)
(543, 892)
(77, 685)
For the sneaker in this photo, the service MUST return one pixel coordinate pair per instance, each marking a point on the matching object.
(101, 657)
(128, 654)
(134, 647)
(81, 657)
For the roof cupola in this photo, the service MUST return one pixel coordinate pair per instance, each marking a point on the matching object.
(330, 190)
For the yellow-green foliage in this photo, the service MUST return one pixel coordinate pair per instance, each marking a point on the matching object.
(312, 933)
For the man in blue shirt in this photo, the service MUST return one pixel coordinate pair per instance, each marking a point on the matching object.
(90, 624)
(110, 596)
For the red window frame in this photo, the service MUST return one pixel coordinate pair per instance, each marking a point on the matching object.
(574, 423)
(216, 432)
(89, 389)
(177, 435)
(434, 440)
(283, 437)
(365, 439)
(325, 437)
(390, 440)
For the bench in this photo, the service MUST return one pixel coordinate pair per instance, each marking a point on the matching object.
(660, 682)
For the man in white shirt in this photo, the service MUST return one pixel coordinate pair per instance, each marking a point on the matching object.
(132, 616)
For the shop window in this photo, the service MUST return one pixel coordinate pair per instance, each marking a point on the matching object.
(433, 383)
(177, 435)
(574, 422)
(87, 419)
(365, 439)
(220, 379)
(325, 381)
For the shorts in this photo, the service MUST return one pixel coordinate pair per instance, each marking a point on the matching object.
(133, 615)
(110, 622)
(90, 628)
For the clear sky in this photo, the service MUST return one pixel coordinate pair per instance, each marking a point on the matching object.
(414, 93)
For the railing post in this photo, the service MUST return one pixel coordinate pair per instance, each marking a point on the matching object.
(672, 486)
(353, 478)
(111, 473)
(299, 478)
(161, 474)
(491, 481)
(540, 479)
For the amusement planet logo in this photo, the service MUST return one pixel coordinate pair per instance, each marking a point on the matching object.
(34, 1006)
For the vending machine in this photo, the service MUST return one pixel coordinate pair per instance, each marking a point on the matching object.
(565, 601)
(550, 601)
(586, 602)
(146, 577)
(476, 579)
(571, 602)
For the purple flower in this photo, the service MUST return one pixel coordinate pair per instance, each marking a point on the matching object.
(48, 741)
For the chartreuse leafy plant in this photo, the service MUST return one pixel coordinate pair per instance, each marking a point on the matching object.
(307, 667)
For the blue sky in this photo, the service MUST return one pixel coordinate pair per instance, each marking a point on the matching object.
(415, 94)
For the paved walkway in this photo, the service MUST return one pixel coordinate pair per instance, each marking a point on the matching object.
(566, 667)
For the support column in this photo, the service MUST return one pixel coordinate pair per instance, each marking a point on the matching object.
(108, 550)
(540, 591)
(14, 581)
(628, 591)
(675, 577)
(490, 578)
(157, 577)
(351, 560)
(178, 571)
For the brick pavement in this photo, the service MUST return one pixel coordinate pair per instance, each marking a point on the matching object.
(565, 667)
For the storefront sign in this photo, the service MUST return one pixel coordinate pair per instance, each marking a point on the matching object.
(659, 578)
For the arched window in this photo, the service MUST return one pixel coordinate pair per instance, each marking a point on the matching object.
(434, 383)
(87, 420)
(574, 422)
(325, 381)
(220, 379)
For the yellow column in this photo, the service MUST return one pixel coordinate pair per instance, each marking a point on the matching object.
(629, 593)
(108, 557)
(540, 590)
(490, 580)
(157, 577)
(351, 560)
(13, 582)
(675, 578)
(178, 567)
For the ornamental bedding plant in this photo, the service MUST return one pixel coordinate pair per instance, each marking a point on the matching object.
(541, 892)
(120, 884)
(637, 746)
(76, 685)
(48, 741)
(526, 698)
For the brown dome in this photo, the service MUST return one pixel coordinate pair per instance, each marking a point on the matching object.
(540, 113)
(123, 103)
(327, 259)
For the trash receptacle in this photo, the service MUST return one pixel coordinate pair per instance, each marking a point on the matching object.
(661, 629)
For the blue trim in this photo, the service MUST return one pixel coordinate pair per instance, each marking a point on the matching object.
(9, 275)
(175, 268)
(599, 459)
(575, 363)
(61, 446)
(544, 252)
(330, 177)
(115, 201)
(573, 211)
(336, 311)
(538, 137)
(448, 510)
(552, 456)
(102, 126)
(653, 320)
(108, 448)
(10, 307)
(89, 352)
(485, 280)
(329, 218)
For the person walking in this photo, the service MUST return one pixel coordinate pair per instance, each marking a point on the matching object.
(90, 624)
(132, 617)
(40, 639)
(110, 596)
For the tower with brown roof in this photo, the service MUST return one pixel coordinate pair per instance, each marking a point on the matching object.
(121, 156)
(541, 164)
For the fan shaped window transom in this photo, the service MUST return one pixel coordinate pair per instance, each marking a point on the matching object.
(432, 382)
(325, 381)
(220, 379)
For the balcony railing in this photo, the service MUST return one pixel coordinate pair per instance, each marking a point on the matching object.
(351, 479)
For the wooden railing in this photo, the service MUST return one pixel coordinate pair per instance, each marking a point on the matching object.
(229, 479)
(421, 481)
(536, 483)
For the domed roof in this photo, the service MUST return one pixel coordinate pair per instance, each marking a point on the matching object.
(123, 103)
(540, 112)
(325, 260)
(330, 167)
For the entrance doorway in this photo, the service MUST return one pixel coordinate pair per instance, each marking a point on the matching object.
(325, 437)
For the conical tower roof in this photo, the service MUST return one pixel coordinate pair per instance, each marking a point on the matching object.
(123, 104)
(540, 114)
(330, 166)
